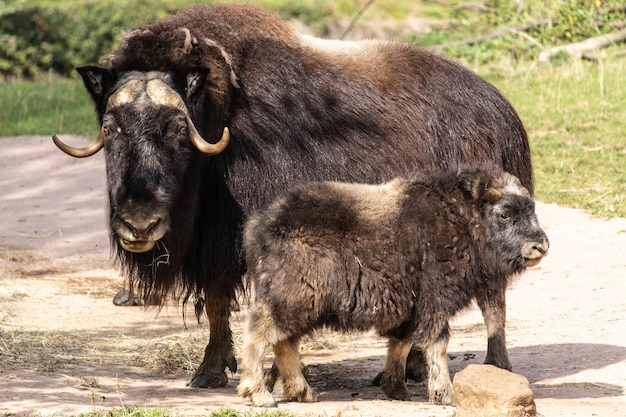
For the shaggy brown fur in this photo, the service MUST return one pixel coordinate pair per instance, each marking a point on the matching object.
(402, 258)
(298, 109)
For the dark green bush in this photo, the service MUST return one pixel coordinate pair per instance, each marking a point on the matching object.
(35, 40)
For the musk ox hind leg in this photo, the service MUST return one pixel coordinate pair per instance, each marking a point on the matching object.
(218, 354)
(295, 385)
(272, 375)
(440, 390)
(416, 369)
(393, 377)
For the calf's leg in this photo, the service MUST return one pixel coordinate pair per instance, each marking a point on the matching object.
(218, 353)
(440, 390)
(416, 369)
(260, 333)
(295, 385)
(493, 306)
(393, 377)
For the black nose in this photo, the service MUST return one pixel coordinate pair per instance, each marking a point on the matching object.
(141, 227)
(542, 245)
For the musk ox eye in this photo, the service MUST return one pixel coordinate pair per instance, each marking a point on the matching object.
(504, 217)
(182, 131)
(106, 131)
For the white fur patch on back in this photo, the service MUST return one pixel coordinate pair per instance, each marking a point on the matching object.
(359, 50)
(373, 202)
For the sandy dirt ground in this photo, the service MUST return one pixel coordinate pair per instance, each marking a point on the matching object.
(66, 349)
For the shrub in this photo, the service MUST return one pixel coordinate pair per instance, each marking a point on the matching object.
(36, 40)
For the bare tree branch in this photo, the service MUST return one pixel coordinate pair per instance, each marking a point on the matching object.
(576, 49)
(495, 34)
(356, 18)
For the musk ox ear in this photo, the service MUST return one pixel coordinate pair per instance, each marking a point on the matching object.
(470, 183)
(481, 183)
(195, 81)
(475, 183)
(97, 81)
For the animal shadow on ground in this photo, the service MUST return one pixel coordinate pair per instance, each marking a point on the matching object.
(538, 363)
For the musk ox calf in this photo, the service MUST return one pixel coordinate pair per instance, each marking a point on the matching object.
(402, 258)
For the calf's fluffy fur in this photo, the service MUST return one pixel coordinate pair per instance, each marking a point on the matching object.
(402, 258)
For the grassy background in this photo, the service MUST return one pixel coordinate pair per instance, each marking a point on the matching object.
(575, 118)
(573, 110)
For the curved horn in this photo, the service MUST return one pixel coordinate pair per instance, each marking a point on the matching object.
(207, 147)
(160, 92)
(125, 94)
(81, 152)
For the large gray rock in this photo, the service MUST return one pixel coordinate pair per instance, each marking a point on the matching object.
(487, 391)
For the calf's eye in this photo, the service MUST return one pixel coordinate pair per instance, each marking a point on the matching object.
(504, 217)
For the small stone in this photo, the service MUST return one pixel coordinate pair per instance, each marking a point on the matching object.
(488, 391)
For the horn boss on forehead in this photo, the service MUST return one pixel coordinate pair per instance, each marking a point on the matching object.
(159, 93)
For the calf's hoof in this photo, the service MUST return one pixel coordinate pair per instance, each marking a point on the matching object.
(259, 401)
(416, 369)
(444, 396)
(306, 396)
(499, 362)
(395, 390)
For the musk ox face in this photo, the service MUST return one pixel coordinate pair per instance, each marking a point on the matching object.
(512, 227)
(148, 155)
(150, 145)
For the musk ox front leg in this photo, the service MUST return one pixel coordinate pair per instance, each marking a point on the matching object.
(493, 307)
(440, 390)
(218, 354)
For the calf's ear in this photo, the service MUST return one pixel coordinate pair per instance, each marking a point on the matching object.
(471, 183)
(97, 81)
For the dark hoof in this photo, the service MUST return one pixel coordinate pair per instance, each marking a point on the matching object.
(502, 363)
(394, 388)
(126, 298)
(416, 369)
(398, 394)
(208, 380)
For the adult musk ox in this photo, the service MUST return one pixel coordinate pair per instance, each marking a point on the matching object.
(402, 257)
(297, 109)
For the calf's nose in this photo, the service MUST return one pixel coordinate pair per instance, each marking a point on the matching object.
(536, 249)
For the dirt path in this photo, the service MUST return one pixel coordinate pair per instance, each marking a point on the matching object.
(66, 349)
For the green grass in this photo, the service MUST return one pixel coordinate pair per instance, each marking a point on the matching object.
(575, 115)
(46, 107)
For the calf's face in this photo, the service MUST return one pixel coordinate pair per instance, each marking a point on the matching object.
(508, 213)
